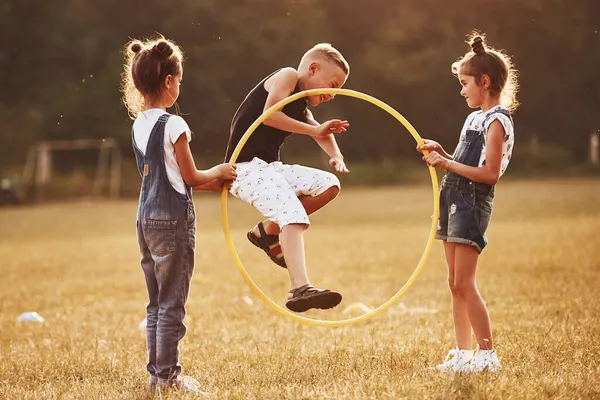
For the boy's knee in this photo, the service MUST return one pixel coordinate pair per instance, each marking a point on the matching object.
(334, 182)
(332, 192)
(328, 182)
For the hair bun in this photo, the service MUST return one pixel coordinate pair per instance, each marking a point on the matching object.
(477, 45)
(135, 47)
(162, 49)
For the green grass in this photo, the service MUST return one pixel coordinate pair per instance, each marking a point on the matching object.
(77, 264)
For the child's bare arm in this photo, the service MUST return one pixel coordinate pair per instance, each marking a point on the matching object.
(214, 185)
(191, 175)
(284, 83)
(329, 146)
(282, 86)
(490, 172)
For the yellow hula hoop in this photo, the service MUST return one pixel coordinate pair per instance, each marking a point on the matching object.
(422, 261)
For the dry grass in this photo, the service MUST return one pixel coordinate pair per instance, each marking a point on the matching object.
(77, 265)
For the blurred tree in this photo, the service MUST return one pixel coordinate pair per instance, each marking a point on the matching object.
(61, 63)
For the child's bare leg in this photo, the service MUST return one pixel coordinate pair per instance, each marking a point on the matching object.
(462, 325)
(292, 244)
(310, 203)
(313, 204)
(465, 264)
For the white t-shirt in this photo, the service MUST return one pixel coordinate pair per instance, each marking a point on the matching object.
(474, 122)
(175, 127)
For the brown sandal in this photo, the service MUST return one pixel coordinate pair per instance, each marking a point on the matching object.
(307, 297)
(269, 244)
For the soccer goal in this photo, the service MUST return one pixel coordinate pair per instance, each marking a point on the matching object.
(38, 169)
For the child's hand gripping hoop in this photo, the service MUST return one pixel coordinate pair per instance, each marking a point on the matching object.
(422, 261)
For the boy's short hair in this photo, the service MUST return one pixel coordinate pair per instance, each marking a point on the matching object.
(328, 52)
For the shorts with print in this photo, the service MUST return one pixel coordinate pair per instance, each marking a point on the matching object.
(273, 189)
(465, 212)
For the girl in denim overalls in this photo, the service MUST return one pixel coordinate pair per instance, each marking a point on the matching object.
(166, 219)
(488, 82)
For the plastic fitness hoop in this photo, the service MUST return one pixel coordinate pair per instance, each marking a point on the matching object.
(422, 261)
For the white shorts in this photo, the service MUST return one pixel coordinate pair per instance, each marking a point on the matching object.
(273, 189)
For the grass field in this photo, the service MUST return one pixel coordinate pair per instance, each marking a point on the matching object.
(77, 265)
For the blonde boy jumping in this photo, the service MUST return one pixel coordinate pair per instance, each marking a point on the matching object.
(287, 194)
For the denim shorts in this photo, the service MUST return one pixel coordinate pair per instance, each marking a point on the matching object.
(465, 212)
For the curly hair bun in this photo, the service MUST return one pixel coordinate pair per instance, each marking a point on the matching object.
(478, 45)
(162, 49)
(135, 47)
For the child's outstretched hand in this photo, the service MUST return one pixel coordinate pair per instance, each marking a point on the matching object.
(226, 172)
(339, 165)
(331, 127)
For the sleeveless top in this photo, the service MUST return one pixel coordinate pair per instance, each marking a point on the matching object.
(266, 141)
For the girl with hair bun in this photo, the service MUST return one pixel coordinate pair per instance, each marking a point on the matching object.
(489, 83)
(166, 218)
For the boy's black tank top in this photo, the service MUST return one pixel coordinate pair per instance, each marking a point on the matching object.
(266, 141)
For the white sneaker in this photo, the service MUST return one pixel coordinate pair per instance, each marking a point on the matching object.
(484, 360)
(455, 359)
(186, 384)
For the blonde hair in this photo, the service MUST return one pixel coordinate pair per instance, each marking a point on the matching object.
(327, 52)
(147, 64)
(485, 60)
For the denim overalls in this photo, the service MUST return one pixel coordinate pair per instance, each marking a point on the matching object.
(466, 206)
(166, 230)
